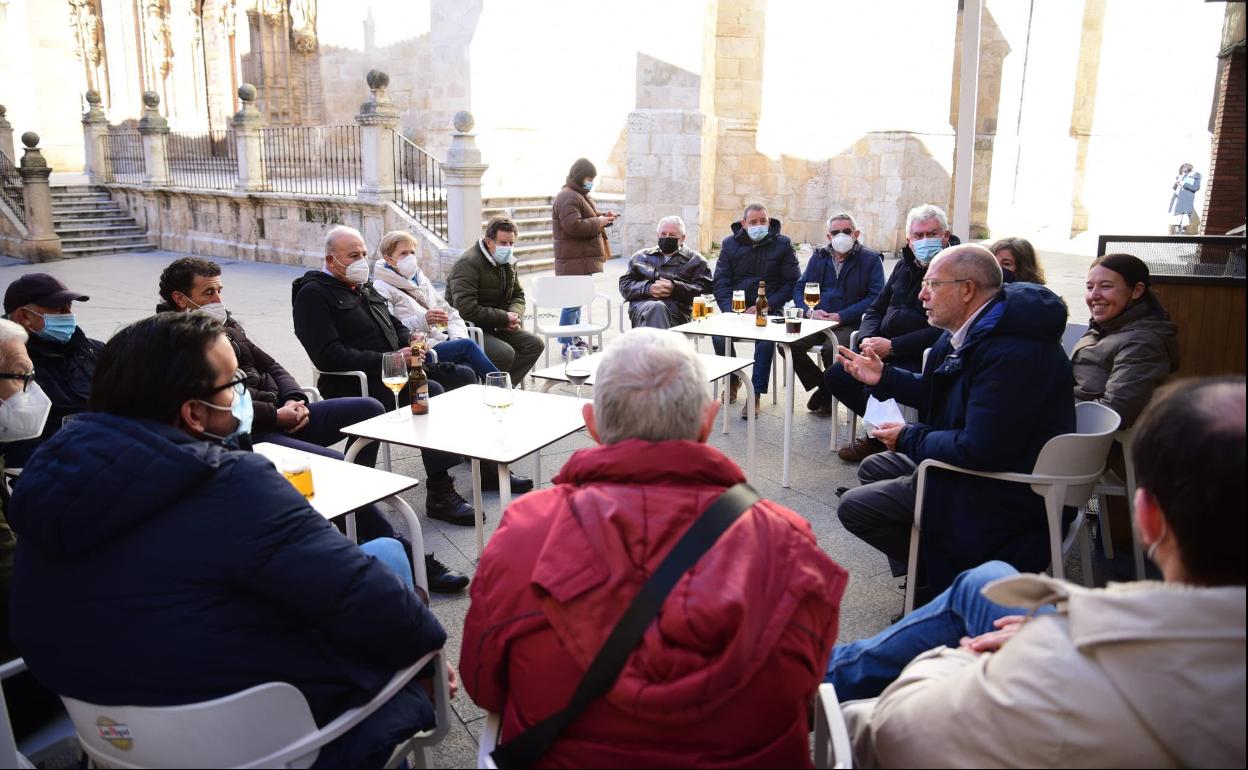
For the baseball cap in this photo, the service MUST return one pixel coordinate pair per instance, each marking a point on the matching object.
(39, 289)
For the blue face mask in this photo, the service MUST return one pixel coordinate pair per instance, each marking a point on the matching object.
(757, 232)
(502, 255)
(926, 249)
(242, 411)
(58, 327)
(588, 185)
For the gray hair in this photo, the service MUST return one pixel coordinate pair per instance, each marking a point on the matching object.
(336, 232)
(924, 213)
(672, 220)
(649, 385)
(843, 215)
(9, 332)
(753, 207)
(974, 261)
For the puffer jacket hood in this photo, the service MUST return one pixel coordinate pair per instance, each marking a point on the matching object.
(1024, 310)
(147, 467)
(1147, 316)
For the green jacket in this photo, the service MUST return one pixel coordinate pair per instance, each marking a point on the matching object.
(483, 292)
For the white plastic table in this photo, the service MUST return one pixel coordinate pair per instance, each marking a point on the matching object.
(341, 487)
(742, 327)
(459, 422)
(717, 367)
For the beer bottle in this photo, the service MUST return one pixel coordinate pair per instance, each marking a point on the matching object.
(760, 305)
(418, 387)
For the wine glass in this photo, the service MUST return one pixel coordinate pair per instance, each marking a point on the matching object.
(498, 395)
(738, 301)
(576, 369)
(810, 296)
(394, 377)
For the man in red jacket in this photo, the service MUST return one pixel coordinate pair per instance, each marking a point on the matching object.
(724, 676)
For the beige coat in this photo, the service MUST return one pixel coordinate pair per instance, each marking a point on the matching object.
(580, 238)
(408, 301)
(1134, 675)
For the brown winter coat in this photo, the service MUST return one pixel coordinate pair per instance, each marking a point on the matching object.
(580, 241)
(1121, 362)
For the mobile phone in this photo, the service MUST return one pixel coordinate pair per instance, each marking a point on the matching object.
(775, 319)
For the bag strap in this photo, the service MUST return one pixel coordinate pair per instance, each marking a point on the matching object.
(531, 745)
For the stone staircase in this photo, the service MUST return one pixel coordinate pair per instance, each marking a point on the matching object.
(535, 243)
(89, 222)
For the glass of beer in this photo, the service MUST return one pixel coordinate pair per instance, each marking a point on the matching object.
(792, 320)
(738, 301)
(711, 306)
(699, 308)
(394, 377)
(298, 471)
(810, 296)
(439, 326)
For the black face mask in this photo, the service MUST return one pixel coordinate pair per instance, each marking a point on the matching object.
(669, 245)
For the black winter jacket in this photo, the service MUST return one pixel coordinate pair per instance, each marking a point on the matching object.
(897, 314)
(743, 263)
(64, 370)
(686, 269)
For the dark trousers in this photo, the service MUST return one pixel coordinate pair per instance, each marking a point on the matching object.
(514, 352)
(763, 354)
(881, 511)
(653, 314)
(804, 367)
(325, 421)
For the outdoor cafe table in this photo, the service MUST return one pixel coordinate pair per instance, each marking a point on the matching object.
(341, 487)
(460, 423)
(741, 326)
(717, 367)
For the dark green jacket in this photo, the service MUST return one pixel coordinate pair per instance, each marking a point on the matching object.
(482, 292)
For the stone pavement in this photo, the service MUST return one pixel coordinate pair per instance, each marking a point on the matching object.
(123, 287)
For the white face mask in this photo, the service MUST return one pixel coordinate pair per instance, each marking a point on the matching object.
(215, 309)
(407, 267)
(23, 414)
(842, 243)
(357, 271)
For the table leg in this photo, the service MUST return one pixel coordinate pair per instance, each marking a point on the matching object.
(478, 510)
(546, 386)
(788, 410)
(537, 470)
(356, 446)
(415, 535)
(724, 396)
(504, 489)
(749, 427)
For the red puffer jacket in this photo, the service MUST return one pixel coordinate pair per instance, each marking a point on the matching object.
(723, 678)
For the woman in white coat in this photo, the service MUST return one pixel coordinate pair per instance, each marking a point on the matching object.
(413, 300)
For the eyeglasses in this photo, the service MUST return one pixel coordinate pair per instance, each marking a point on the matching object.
(238, 384)
(928, 284)
(845, 231)
(25, 377)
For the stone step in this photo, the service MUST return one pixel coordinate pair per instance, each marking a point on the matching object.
(80, 197)
(98, 230)
(102, 239)
(82, 251)
(63, 212)
(75, 189)
(518, 200)
(517, 212)
(535, 264)
(89, 206)
(113, 219)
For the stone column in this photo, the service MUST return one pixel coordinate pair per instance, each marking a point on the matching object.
(6, 134)
(42, 242)
(378, 117)
(155, 129)
(461, 173)
(247, 124)
(94, 129)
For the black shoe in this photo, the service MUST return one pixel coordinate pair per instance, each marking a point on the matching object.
(489, 480)
(819, 403)
(443, 579)
(443, 503)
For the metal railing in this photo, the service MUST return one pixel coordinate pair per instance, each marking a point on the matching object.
(205, 160)
(1182, 256)
(11, 188)
(123, 152)
(418, 187)
(317, 160)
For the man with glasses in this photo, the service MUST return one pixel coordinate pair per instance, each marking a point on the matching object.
(995, 389)
(64, 357)
(209, 572)
(894, 326)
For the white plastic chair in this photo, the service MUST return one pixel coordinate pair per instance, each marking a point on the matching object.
(560, 291)
(832, 748)
(1109, 486)
(49, 740)
(1066, 471)
(363, 378)
(489, 741)
(269, 725)
(1072, 335)
(910, 413)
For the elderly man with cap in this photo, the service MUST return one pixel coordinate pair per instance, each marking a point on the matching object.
(64, 357)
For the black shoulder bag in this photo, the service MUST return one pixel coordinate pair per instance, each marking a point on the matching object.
(528, 747)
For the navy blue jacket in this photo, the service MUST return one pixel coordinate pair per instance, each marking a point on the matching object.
(849, 292)
(743, 263)
(155, 569)
(897, 314)
(64, 371)
(990, 406)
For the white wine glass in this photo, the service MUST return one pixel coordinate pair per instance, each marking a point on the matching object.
(394, 377)
(575, 369)
(498, 395)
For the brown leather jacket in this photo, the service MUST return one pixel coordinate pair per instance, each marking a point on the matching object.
(580, 241)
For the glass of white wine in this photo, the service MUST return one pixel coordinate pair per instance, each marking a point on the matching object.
(575, 369)
(498, 395)
(394, 377)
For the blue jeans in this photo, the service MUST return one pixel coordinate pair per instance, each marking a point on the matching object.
(763, 353)
(394, 555)
(864, 668)
(465, 351)
(569, 315)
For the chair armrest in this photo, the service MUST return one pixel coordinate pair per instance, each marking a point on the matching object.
(12, 668)
(489, 740)
(1031, 479)
(361, 376)
(313, 394)
(830, 728)
(475, 333)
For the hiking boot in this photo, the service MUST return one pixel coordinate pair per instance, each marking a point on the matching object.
(860, 449)
(443, 579)
(819, 403)
(443, 503)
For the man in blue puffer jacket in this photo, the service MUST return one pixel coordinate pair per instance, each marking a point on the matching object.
(156, 565)
(996, 387)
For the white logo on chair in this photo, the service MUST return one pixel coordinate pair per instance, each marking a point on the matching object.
(116, 734)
